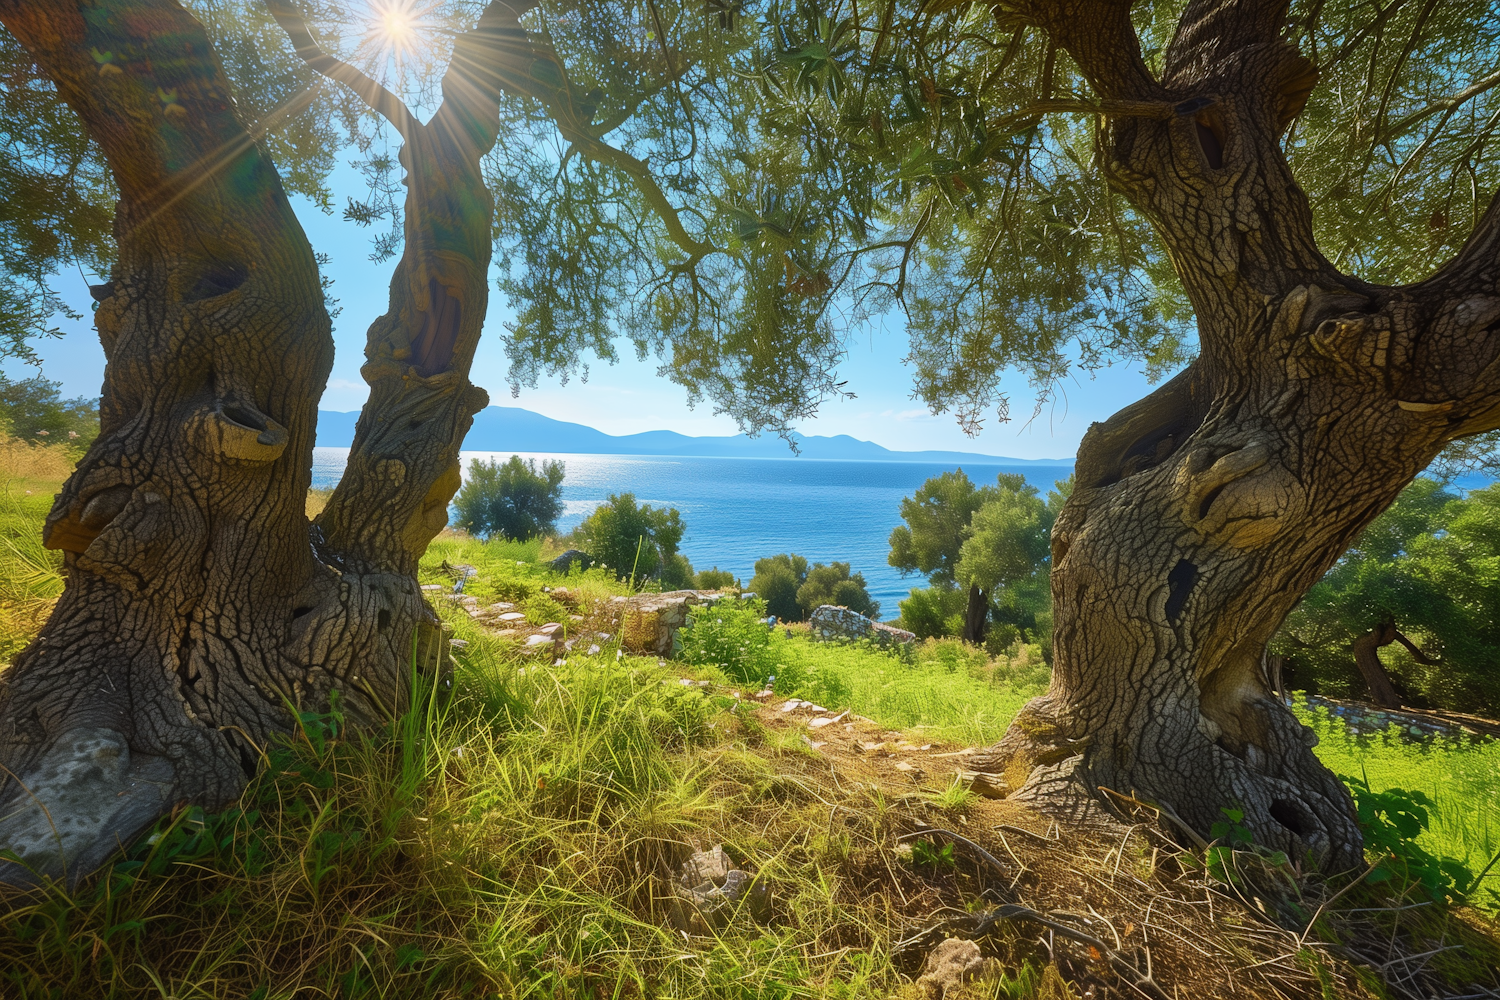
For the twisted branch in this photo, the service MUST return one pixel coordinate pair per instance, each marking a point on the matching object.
(380, 100)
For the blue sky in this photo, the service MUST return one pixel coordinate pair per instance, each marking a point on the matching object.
(630, 397)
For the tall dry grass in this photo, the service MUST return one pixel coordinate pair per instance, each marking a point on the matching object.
(24, 460)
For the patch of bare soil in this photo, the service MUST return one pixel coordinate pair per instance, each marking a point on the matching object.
(1123, 912)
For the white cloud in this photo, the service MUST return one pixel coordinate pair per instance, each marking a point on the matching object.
(908, 415)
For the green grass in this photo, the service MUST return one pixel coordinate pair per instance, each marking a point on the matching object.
(518, 839)
(947, 691)
(513, 843)
(1460, 776)
(30, 575)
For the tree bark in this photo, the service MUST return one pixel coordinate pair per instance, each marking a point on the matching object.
(976, 616)
(1203, 512)
(1276, 676)
(197, 618)
(1367, 659)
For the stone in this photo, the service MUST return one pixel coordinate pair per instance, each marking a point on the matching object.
(87, 795)
(549, 628)
(706, 866)
(512, 616)
(952, 963)
(829, 623)
(649, 622)
(565, 562)
(537, 640)
(710, 891)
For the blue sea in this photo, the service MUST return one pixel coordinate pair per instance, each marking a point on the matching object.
(738, 510)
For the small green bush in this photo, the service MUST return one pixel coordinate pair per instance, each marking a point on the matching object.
(1000, 637)
(676, 572)
(929, 611)
(1392, 819)
(635, 541)
(516, 500)
(541, 609)
(733, 637)
(776, 581)
(834, 584)
(714, 579)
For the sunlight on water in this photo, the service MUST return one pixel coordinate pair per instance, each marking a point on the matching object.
(738, 510)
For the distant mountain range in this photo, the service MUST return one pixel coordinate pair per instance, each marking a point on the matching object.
(512, 429)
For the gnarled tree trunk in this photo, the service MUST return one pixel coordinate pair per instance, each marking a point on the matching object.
(1203, 513)
(1367, 659)
(200, 605)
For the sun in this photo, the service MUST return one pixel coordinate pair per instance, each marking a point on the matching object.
(401, 42)
(395, 23)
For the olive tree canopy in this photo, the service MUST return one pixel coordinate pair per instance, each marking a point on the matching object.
(1288, 206)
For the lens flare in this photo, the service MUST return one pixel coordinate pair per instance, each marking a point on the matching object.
(395, 25)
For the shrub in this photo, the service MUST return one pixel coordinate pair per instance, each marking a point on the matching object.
(676, 572)
(929, 611)
(833, 584)
(540, 609)
(714, 579)
(732, 636)
(1000, 638)
(635, 539)
(516, 500)
(776, 581)
(1392, 819)
(33, 410)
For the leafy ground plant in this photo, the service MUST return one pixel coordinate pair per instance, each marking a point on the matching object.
(1457, 819)
(1392, 820)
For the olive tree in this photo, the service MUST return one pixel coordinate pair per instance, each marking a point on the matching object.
(515, 500)
(199, 602)
(937, 520)
(1038, 184)
(777, 581)
(1005, 543)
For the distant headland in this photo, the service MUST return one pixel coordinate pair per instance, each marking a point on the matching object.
(512, 429)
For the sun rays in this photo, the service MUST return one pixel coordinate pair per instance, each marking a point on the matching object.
(401, 39)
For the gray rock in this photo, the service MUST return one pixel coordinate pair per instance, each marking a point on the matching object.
(830, 623)
(564, 562)
(651, 621)
(710, 892)
(706, 866)
(953, 962)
